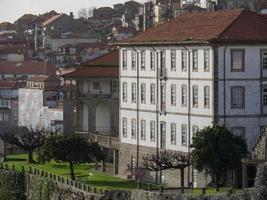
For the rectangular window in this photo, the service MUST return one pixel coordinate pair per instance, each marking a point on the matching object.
(143, 93)
(143, 60)
(184, 135)
(133, 92)
(173, 60)
(133, 128)
(152, 130)
(152, 60)
(115, 86)
(206, 60)
(237, 59)
(264, 59)
(240, 131)
(124, 92)
(143, 129)
(124, 59)
(206, 96)
(124, 127)
(173, 95)
(173, 133)
(163, 98)
(152, 93)
(184, 60)
(238, 97)
(195, 96)
(96, 86)
(195, 60)
(264, 96)
(184, 95)
(162, 60)
(133, 60)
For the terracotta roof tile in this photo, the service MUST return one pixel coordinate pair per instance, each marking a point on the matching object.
(233, 25)
(26, 67)
(109, 59)
(7, 84)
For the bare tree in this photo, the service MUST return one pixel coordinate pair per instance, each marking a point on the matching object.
(86, 12)
(167, 160)
(26, 138)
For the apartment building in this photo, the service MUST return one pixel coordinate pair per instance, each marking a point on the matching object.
(184, 75)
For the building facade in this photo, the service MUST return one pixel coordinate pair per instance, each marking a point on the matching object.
(176, 82)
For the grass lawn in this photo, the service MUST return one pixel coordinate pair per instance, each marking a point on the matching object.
(84, 173)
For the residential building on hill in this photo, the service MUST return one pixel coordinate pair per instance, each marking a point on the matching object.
(184, 75)
(92, 108)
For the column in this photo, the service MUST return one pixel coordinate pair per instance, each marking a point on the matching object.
(115, 161)
(244, 176)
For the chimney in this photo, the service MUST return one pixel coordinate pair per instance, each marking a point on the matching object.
(71, 15)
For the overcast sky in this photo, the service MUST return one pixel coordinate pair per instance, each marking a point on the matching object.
(10, 10)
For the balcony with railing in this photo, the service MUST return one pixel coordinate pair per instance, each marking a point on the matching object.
(104, 136)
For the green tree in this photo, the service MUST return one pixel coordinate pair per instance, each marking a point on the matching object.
(26, 138)
(70, 148)
(216, 150)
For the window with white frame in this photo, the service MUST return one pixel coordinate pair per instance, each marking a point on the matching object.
(184, 135)
(173, 60)
(133, 128)
(238, 59)
(195, 60)
(195, 96)
(96, 85)
(173, 133)
(143, 129)
(124, 92)
(133, 92)
(239, 131)
(124, 59)
(237, 97)
(124, 127)
(264, 59)
(143, 93)
(152, 60)
(152, 130)
(133, 60)
(163, 97)
(264, 96)
(152, 93)
(184, 60)
(184, 95)
(143, 60)
(207, 96)
(173, 94)
(206, 60)
(162, 60)
(115, 86)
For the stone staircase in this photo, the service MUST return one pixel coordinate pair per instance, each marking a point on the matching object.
(259, 151)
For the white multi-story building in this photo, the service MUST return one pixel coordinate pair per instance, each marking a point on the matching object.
(186, 74)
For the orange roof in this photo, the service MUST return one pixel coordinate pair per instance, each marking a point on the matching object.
(26, 67)
(218, 26)
(51, 19)
(109, 59)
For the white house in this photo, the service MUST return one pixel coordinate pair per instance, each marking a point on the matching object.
(186, 74)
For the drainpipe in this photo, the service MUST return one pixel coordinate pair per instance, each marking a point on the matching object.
(137, 108)
(157, 107)
(224, 85)
(189, 109)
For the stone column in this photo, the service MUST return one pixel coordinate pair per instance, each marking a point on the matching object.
(115, 161)
(103, 166)
(244, 176)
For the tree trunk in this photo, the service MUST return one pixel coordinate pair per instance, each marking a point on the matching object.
(30, 156)
(71, 170)
(182, 177)
(218, 182)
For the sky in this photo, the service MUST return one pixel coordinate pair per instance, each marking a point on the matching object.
(11, 10)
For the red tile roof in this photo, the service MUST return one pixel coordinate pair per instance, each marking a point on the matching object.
(106, 66)
(218, 26)
(26, 67)
(94, 72)
(7, 84)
